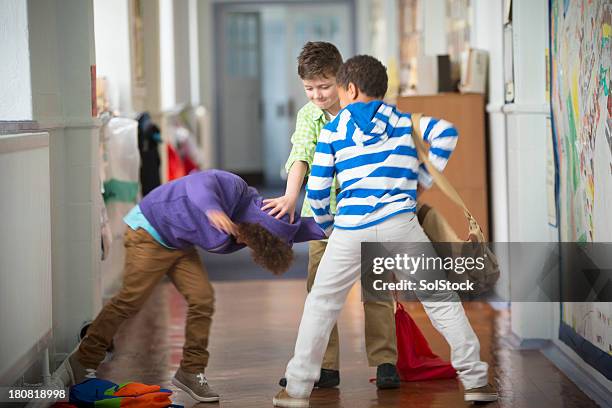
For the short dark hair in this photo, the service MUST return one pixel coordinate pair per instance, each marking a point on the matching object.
(318, 59)
(267, 250)
(367, 73)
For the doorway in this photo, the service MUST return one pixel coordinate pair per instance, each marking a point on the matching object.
(258, 92)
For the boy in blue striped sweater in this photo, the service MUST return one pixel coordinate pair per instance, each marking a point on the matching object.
(369, 148)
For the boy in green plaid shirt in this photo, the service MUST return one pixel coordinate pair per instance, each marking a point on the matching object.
(317, 66)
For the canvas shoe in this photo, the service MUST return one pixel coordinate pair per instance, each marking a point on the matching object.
(77, 373)
(282, 399)
(196, 385)
(486, 393)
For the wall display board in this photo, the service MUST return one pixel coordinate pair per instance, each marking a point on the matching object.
(581, 104)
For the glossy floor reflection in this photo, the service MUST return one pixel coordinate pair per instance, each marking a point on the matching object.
(253, 336)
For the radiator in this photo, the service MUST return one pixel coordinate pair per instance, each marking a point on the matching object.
(25, 252)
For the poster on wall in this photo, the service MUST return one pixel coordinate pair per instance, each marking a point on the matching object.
(581, 103)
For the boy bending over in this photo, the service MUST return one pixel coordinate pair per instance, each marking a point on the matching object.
(214, 210)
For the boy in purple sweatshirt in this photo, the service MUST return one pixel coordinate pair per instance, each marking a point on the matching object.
(214, 210)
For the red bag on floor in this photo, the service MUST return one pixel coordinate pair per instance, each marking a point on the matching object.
(415, 360)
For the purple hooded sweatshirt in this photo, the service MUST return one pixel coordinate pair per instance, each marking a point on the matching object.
(177, 211)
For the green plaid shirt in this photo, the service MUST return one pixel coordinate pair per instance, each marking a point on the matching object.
(309, 123)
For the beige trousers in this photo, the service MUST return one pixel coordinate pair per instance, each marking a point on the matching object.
(146, 263)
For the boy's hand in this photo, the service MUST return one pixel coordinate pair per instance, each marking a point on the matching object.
(222, 222)
(281, 206)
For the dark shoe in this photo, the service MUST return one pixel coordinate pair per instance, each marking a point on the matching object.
(195, 385)
(486, 393)
(328, 379)
(282, 399)
(387, 377)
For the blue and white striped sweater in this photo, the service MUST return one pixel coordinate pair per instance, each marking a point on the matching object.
(369, 148)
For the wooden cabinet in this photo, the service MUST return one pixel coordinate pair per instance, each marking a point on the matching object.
(467, 167)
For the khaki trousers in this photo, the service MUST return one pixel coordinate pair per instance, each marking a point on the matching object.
(380, 338)
(146, 263)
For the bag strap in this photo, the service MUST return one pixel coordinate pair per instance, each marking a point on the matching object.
(445, 186)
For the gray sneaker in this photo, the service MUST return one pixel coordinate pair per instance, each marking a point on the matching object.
(77, 373)
(195, 385)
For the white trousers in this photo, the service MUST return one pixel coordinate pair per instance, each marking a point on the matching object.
(339, 270)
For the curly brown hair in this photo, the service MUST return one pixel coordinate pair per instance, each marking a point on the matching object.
(319, 59)
(267, 249)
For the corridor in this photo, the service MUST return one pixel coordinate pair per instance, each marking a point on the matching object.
(139, 135)
(253, 338)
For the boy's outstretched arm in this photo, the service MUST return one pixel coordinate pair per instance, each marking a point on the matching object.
(286, 204)
(442, 138)
(303, 144)
(320, 182)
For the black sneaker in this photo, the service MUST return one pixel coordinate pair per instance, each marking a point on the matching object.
(387, 377)
(328, 379)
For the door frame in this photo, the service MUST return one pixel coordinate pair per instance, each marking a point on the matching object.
(221, 6)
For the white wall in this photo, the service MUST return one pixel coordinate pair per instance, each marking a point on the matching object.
(113, 61)
(363, 27)
(182, 58)
(527, 152)
(194, 61)
(61, 45)
(434, 27)
(15, 66)
(487, 34)
(112, 38)
(25, 252)
(518, 146)
(379, 18)
(175, 53)
(166, 49)
(206, 54)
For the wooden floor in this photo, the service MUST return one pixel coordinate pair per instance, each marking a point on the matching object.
(253, 336)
